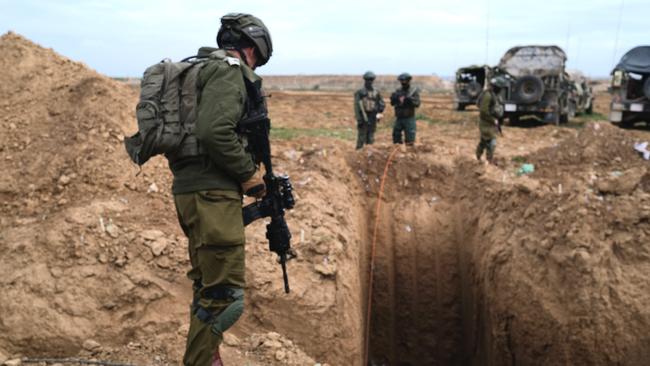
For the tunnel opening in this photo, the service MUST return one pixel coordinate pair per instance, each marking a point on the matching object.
(424, 303)
(417, 295)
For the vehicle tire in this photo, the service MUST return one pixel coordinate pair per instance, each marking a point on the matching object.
(590, 109)
(572, 111)
(646, 88)
(556, 118)
(528, 89)
(513, 120)
(474, 89)
(627, 121)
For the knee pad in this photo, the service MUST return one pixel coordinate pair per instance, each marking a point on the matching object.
(229, 316)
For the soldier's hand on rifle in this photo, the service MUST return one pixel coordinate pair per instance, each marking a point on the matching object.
(254, 186)
(498, 126)
(401, 99)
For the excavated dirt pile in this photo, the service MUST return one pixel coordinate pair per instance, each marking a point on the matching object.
(475, 265)
(93, 259)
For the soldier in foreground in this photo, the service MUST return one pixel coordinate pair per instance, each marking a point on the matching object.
(405, 100)
(491, 110)
(207, 115)
(368, 108)
(208, 187)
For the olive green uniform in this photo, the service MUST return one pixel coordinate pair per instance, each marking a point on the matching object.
(488, 106)
(367, 103)
(405, 114)
(208, 201)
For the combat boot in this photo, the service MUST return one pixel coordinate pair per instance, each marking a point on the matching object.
(216, 359)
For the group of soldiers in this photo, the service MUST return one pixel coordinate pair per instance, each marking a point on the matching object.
(369, 107)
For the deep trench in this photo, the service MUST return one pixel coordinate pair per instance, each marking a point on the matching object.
(425, 306)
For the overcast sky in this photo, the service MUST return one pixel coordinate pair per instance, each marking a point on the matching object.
(123, 37)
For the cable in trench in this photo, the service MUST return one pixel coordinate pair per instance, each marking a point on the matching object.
(372, 254)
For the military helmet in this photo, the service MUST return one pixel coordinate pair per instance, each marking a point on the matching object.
(499, 82)
(239, 29)
(369, 75)
(404, 76)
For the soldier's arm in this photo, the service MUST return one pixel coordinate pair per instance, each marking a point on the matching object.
(493, 104)
(394, 99)
(380, 103)
(357, 108)
(414, 99)
(486, 101)
(220, 109)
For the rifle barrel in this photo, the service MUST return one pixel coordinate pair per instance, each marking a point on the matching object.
(283, 262)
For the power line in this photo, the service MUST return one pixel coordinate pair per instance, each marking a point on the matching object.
(568, 37)
(487, 30)
(618, 31)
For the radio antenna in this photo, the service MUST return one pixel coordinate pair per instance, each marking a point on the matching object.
(618, 31)
(487, 30)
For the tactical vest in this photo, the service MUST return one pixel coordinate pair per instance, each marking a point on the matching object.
(369, 100)
(404, 111)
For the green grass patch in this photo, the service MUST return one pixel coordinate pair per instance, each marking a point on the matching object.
(574, 123)
(286, 133)
(519, 159)
(427, 119)
(595, 116)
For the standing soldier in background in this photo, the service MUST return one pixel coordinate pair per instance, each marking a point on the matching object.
(491, 111)
(208, 186)
(405, 100)
(368, 108)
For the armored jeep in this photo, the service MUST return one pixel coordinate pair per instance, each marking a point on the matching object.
(581, 99)
(470, 82)
(630, 88)
(538, 83)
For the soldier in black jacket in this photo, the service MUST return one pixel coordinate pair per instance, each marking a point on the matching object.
(405, 100)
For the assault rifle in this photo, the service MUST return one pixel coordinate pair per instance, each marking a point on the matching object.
(279, 192)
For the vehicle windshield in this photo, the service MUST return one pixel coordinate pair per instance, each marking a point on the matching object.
(533, 61)
(470, 75)
(466, 77)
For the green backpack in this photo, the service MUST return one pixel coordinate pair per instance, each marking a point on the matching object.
(166, 112)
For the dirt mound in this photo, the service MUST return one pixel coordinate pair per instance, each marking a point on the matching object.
(71, 268)
(92, 251)
(599, 157)
(64, 125)
(600, 145)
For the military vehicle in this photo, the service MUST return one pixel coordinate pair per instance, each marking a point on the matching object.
(539, 83)
(581, 96)
(470, 82)
(630, 88)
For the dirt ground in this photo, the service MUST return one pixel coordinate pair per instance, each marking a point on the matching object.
(474, 265)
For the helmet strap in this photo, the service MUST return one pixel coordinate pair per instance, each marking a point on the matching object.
(243, 56)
